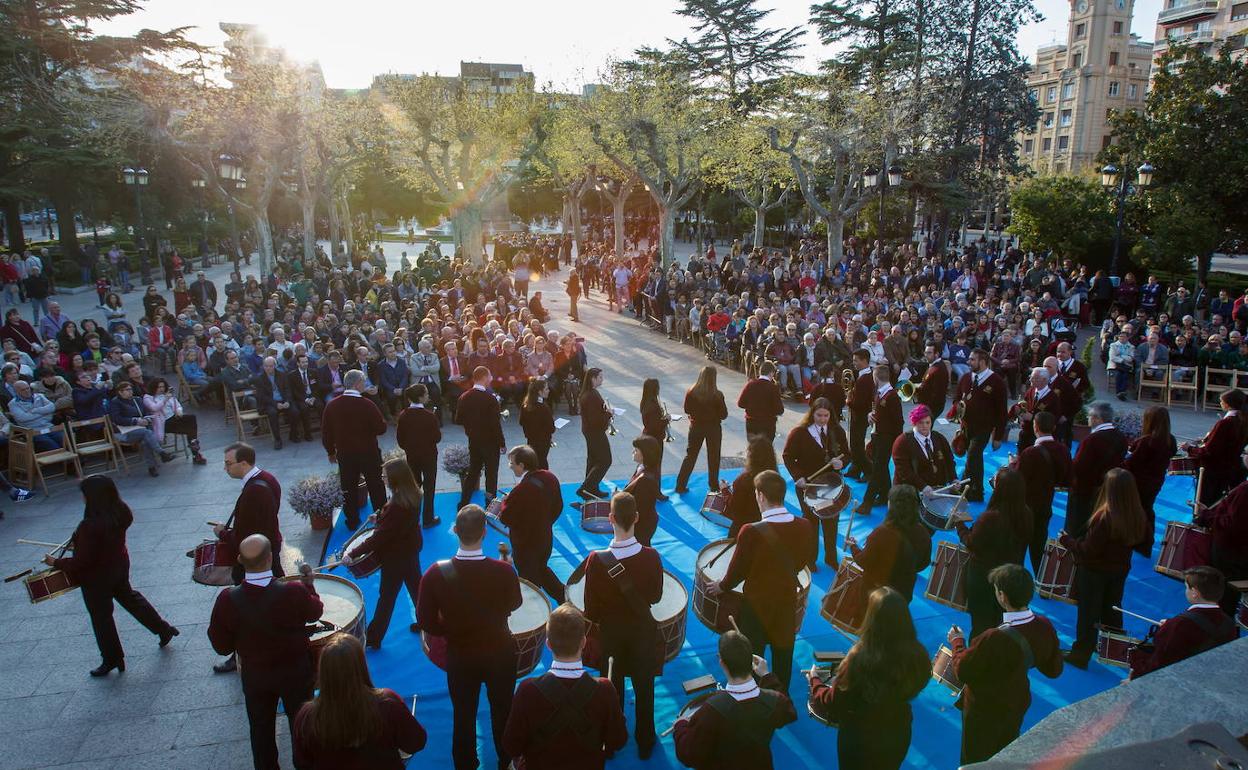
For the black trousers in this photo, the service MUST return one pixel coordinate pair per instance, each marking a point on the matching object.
(183, 425)
(974, 471)
(781, 649)
(879, 478)
(480, 457)
(858, 444)
(542, 449)
(713, 435)
(99, 595)
(827, 527)
(464, 679)
(350, 468)
(764, 428)
(634, 659)
(1041, 513)
(981, 600)
(426, 474)
(275, 420)
(1078, 511)
(533, 564)
(261, 692)
(404, 572)
(597, 460)
(1099, 592)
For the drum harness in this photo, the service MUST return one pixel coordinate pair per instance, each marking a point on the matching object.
(570, 711)
(1029, 656)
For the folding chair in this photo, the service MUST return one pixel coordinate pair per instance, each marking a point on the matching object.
(64, 454)
(245, 415)
(1217, 382)
(186, 394)
(1183, 386)
(96, 438)
(1154, 379)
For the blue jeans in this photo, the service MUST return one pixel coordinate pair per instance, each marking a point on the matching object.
(1122, 380)
(45, 442)
(123, 273)
(40, 308)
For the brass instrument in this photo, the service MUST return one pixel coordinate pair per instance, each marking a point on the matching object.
(611, 421)
(905, 389)
(667, 423)
(847, 379)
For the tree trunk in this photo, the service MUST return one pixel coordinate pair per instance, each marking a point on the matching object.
(760, 225)
(467, 227)
(667, 234)
(346, 217)
(617, 215)
(335, 229)
(67, 228)
(264, 239)
(565, 215)
(13, 224)
(836, 240)
(309, 229)
(574, 205)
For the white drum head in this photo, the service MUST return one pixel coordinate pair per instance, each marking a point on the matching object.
(533, 611)
(717, 570)
(342, 600)
(675, 599)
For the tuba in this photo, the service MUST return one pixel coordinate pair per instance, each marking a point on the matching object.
(905, 389)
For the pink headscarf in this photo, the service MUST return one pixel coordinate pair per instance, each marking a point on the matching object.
(918, 413)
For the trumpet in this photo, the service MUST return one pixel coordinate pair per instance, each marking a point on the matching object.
(611, 422)
(905, 389)
(847, 379)
(667, 423)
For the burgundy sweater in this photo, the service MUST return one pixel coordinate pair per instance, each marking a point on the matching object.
(471, 615)
(351, 425)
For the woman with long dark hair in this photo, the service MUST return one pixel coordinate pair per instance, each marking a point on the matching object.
(1103, 559)
(644, 486)
(999, 536)
(595, 420)
(899, 549)
(1148, 460)
(350, 724)
(816, 441)
(537, 419)
(760, 456)
(870, 697)
(101, 566)
(704, 403)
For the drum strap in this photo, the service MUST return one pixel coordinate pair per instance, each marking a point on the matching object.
(773, 542)
(570, 712)
(1029, 656)
(229, 523)
(617, 573)
(1207, 627)
(745, 728)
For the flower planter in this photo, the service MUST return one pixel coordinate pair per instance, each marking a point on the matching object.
(321, 521)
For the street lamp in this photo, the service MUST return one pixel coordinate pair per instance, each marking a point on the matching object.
(1112, 178)
(873, 178)
(229, 168)
(138, 179)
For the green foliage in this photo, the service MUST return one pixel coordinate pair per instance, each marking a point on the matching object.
(1178, 230)
(1067, 214)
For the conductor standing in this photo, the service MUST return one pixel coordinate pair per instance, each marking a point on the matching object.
(349, 430)
(479, 414)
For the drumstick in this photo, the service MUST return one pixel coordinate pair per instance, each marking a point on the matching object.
(1138, 617)
(733, 622)
(1200, 482)
(24, 541)
(18, 576)
(328, 566)
(214, 523)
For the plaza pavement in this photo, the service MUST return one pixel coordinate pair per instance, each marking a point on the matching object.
(168, 710)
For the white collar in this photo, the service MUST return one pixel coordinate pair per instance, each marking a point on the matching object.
(1018, 618)
(251, 474)
(815, 431)
(764, 377)
(777, 515)
(1203, 606)
(1042, 392)
(743, 691)
(417, 406)
(259, 578)
(476, 555)
(350, 392)
(1231, 413)
(883, 389)
(567, 670)
(1042, 439)
(479, 387)
(622, 549)
(1103, 426)
(923, 441)
(864, 371)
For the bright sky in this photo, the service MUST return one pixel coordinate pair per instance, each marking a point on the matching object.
(561, 41)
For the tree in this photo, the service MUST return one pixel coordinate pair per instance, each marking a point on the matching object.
(759, 176)
(1066, 214)
(1177, 230)
(566, 152)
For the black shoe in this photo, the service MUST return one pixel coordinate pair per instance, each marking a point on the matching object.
(167, 635)
(414, 628)
(435, 521)
(371, 645)
(104, 668)
(353, 525)
(152, 471)
(864, 509)
(1079, 661)
(166, 456)
(581, 493)
(229, 665)
(662, 498)
(277, 445)
(681, 490)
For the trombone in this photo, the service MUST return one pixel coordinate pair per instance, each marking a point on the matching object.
(905, 389)
(667, 423)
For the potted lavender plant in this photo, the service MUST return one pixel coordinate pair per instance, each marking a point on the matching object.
(315, 498)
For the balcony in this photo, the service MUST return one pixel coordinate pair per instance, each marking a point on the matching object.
(1188, 11)
(1199, 37)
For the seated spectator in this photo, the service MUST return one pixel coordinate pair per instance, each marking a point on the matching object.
(54, 387)
(34, 411)
(134, 426)
(90, 397)
(167, 416)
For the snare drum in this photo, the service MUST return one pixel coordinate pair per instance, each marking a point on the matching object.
(825, 675)
(713, 611)
(528, 629)
(942, 670)
(845, 604)
(714, 507)
(370, 563)
(493, 516)
(827, 502)
(1183, 546)
(671, 616)
(48, 584)
(1114, 647)
(1056, 578)
(1241, 616)
(214, 563)
(1183, 466)
(594, 517)
(344, 609)
(947, 585)
(936, 512)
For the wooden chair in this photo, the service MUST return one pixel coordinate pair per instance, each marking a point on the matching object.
(1183, 385)
(96, 438)
(1155, 380)
(1241, 380)
(231, 407)
(1217, 382)
(186, 394)
(245, 415)
(64, 455)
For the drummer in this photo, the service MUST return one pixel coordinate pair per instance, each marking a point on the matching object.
(1218, 452)
(810, 447)
(1045, 465)
(466, 600)
(644, 485)
(1228, 524)
(768, 558)
(529, 511)
(897, 550)
(923, 458)
(735, 726)
(1202, 626)
(760, 455)
(621, 584)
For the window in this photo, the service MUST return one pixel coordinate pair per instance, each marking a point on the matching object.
(1081, 30)
(1034, 94)
(1068, 90)
(1051, 94)
(1048, 120)
(1063, 142)
(1239, 12)
(1029, 146)
(1076, 60)
(1065, 118)
(1117, 28)
(1114, 88)
(1133, 91)
(1048, 144)
(1113, 58)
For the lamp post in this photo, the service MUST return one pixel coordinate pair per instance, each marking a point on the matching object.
(1118, 183)
(199, 185)
(873, 178)
(137, 178)
(230, 169)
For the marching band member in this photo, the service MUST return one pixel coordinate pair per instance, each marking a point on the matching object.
(993, 670)
(100, 564)
(1069, 400)
(618, 599)
(984, 392)
(565, 717)
(1044, 466)
(860, 402)
(418, 432)
(1103, 449)
(529, 511)
(922, 458)
(264, 622)
(886, 417)
(1228, 523)
(350, 724)
(816, 441)
(397, 541)
(704, 403)
(477, 410)
(933, 390)
(595, 420)
(1149, 460)
(654, 422)
(1074, 374)
(733, 730)
(350, 426)
(1103, 559)
(999, 536)
(537, 420)
(1038, 398)
(1201, 627)
(467, 600)
(762, 403)
(830, 388)
(899, 549)
(644, 485)
(1218, 451)
(769, 555)
(760, 456)
(869, 699)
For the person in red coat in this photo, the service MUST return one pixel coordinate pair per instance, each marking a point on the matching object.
(529, 511)
(1228, 524)
(1218, 452)
(860, 401)
(734, 727)
(886, 417)
(760, 456)
(466, 600)
(1074, 376)
(897, 550)
(922, 458)
(933, 390)
(418, 432)
(984, 393)
(100, 565)
(644, 486)
(1045, 465)
(350, 724)
(1069, 400)
(768, 558)
(762, 403)
(1103, 449)
(1148, 459)
(1202, 626)
(1040, 397)
(479, 413)
(993, 670)
(811, 446)
(264, 621)
(565, 719)
(350, 426)
(830, 388)
(622, 583)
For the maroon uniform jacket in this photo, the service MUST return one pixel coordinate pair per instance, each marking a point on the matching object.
(1219, 452)
(652, 422)
(803, 455)
(832, 391)
(595, 417)
(985, 405)
(1190, 633)
(1076, 375)
(892, 557)
(911, 465)
(862, 399)
(1098, 550)
(478, 412)
(768, 562)
(887, 413)
(255, 511)
(567, 749)
(626, 632)
(99, 553)
(704, 413)
(933, 390)
(728, 734)
(399, 731)
(1101, 451)
(1067, 398)
(992, 541)
(1228, 521)
(1045, 466)
(644, 487)
(1051, 403)
(761, 400)
(350, 425)
(396, 535)
(538, 424)
(530, 510)
(472, 612)
(418, 434)
(1148, 462)
(288, 607)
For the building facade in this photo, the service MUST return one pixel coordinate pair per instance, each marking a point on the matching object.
(1205, 23)
(1101, 68)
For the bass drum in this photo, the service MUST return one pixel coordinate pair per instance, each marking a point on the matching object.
(344, 610)
(714, 611)
(671, 617)
(527, 625)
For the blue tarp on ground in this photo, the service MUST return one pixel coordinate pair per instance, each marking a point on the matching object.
(402, 666)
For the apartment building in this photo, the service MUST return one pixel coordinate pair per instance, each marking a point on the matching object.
(1206, 23)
